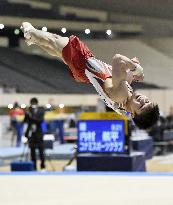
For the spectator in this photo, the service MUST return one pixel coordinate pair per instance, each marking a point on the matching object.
(34, 118)
(14, 113)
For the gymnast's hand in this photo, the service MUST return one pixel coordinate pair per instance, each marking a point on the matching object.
(139, 77)
(135, 60)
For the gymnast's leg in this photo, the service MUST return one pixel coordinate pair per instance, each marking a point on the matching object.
(52, 43)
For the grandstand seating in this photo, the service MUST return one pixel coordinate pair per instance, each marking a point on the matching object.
(165, 45)
(11, 78)
(25, 10)
(35, 74)
(52, 76)
(158, 67)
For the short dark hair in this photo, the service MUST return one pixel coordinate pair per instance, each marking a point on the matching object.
(148, 118)
(34, 101)
(16, 105)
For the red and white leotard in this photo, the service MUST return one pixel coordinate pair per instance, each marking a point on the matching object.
(84, 67)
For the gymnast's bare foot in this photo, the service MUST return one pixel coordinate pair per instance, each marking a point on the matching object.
(27, 29)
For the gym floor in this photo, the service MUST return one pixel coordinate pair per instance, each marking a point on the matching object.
(78, 188)
(86, 188)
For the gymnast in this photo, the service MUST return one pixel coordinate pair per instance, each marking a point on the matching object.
(111, 82)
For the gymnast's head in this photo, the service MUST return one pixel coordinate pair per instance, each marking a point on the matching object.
(145, 113)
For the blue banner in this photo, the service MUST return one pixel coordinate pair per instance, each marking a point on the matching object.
(101, 136)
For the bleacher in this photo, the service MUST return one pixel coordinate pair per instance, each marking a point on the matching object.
(31, 73)
(25, 10)
(158, 67)
(165, 45)
(21, 82)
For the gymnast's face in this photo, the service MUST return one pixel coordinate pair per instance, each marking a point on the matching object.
(139, 103)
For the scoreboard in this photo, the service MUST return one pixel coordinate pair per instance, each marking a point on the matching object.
(101, 136)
